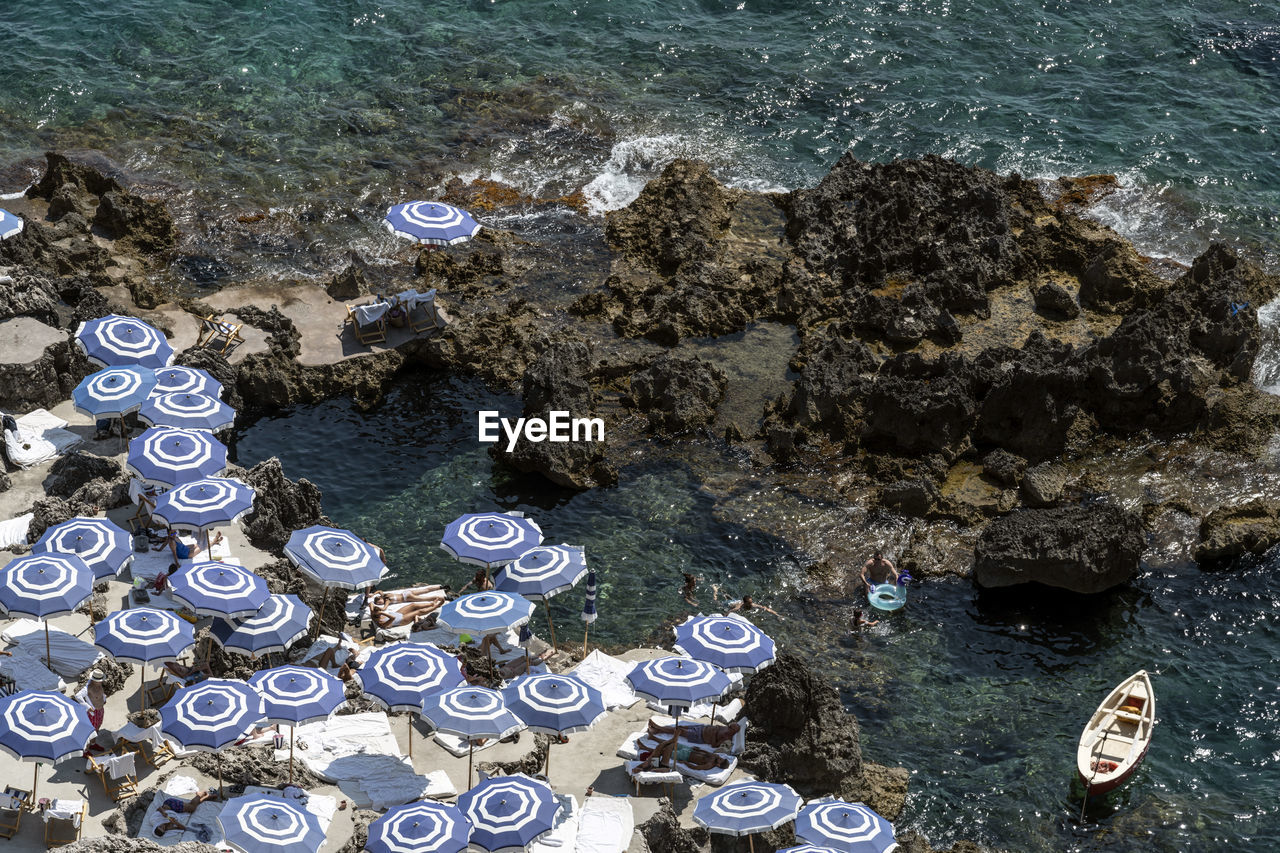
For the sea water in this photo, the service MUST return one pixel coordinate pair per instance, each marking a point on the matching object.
(322, 112)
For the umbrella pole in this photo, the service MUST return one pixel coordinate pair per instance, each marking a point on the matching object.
(220, 797)
(410, 737)
(142, 685)
(751, 843)
(471, 752)
(546, 771)
(48, 655)
(585, 631)
(124, 440)
(550, 626)
(291, 729)
(35, 780)
(323, 603)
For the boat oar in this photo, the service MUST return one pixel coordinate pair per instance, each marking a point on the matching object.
(1097, 762)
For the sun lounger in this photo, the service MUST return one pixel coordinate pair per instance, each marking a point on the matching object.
(605, 825)
(369, 322)
(419, 310)
(457, 746)
(638, 742)
(63, 820)
(668, 779)
(13, 802)
(218, 335)
(118, 774)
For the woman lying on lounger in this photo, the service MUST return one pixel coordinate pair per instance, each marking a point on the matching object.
(712, 736)
(387, 615)
(668, 752)
(433, 592)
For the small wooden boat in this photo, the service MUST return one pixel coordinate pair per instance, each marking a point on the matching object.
(1119, 732)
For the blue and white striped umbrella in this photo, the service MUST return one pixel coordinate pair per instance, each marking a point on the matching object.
(490, 539)
(203, 504)
(114, 392)
(543, 572)
(678, 682)
(846, 827)
(431, 222)
(509, 813)
(45, 584)
(422, 827)
(105, 548)
(747, 807)
(211, 715)
(554, 704)
(186, 380)
(170, 457)
(734, 645)
(485, 613)
(219, 589)
(258, 823)
(589, 602)
(281, 620)
(10, 224)
(144, 634)
(399, 675)
(298, 694)
(118, 341)
(335, 558)
(808, 848)
(470, 712)
(187, 411)
(40, 725)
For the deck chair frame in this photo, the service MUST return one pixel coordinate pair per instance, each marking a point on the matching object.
(117, 789)
(60, 831)
(369, 333)
(213, 329)
(11, 818)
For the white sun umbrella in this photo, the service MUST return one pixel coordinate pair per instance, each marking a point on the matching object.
(554, 704)
(113, 393)
(543, 572)
(297, 695)
(258, 823)
(211, 716)
(187, 411)
(144, 635)
(168, 457)
(470, 712)
(219, 589)
(399, 675)
(105, 547)
(747, 807)
(43, 727)
(186, 380)
(421, 827)
(44, 585)
(119, 341)
(432, 223)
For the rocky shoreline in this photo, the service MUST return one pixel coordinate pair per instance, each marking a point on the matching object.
(962, 351)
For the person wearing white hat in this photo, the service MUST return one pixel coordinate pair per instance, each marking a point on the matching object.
(94, 697)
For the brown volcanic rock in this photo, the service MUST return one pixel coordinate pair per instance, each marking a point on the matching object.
(280, 506)
(1230, 532)
(678, 393)
(1085, 549)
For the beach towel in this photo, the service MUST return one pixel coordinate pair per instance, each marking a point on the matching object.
(27, 449)
(653, 777)
(366, 314)
(605, 825)
(609, 676)
(50, 427)
(26, 668)
(71, 655)
(564, 829)
(121, 766)
(14, 531)
(458, 747)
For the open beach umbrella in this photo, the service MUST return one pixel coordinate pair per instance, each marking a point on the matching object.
(733, 644)
(113, 393)
(431, 222)
(398, 676)
(219, 589)
(296, 695)
(44, 585)
(187, 411)
(169, 457)
(144, 634)
(186, 380)
(846, 827)
(554, 704)
(334, 559)
(105, 548)
(10, 224)
(421, 827)
(118, 341)
(211, 715)
(472, 713)
(490, 539)
(44, 727)
(543, 572)
(747, 807)
(258, 823)
(203, 504)
(485, 613)
(588, 609)
(678, 682)
(281, 620)
(509, 813)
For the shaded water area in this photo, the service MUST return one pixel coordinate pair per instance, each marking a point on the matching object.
(981, 696)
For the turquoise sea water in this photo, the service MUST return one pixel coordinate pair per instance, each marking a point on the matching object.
(325, 111)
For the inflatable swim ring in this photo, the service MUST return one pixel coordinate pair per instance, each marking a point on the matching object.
(887, 596)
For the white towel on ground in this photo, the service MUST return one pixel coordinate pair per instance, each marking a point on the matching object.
(564, 829)
(26, 668)
(609, 676)
(605, 825)
(14, 531)
(71, 655)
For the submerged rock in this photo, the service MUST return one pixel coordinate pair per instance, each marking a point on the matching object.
(1230, 532)
(1085, 549)
(678, 393)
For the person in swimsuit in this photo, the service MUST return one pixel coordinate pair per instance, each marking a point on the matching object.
(176, 805)
(878, 570)
(481, 581)
(434, 592)
(713, 736)
(667, 753)
(393, 615)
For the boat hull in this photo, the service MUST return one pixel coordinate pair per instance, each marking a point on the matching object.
(1111, 784)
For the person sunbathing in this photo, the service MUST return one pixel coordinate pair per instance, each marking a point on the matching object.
(665, 755)
(394, 615)
(188, 673)
(712, 735)
(434, 592)
(480, 580)
(175, 805)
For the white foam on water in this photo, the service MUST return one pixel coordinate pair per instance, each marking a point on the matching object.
(632, 164)
(1266, 366)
